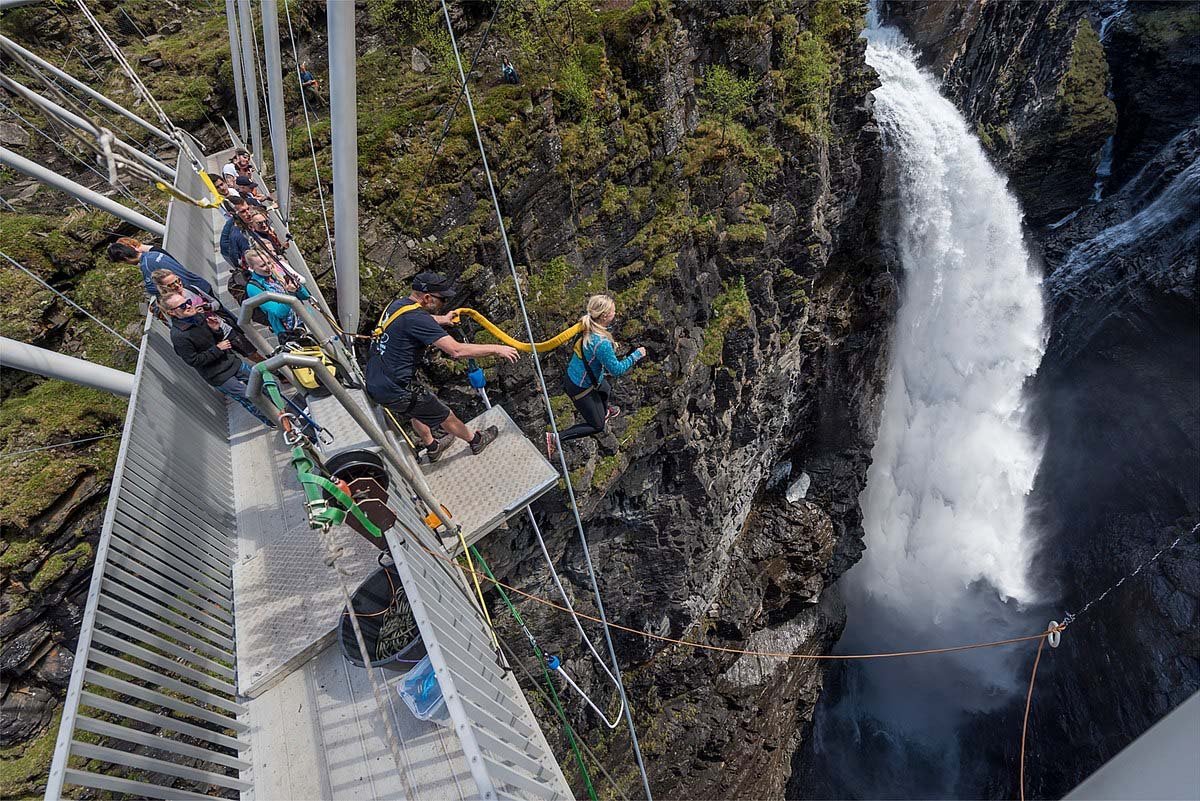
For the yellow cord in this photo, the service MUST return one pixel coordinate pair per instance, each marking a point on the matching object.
(542, 347)
(478, 589)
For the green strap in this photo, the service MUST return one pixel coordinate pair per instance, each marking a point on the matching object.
(558, 708)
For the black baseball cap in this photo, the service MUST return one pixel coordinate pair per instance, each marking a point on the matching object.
(244, 181)
(434, 284)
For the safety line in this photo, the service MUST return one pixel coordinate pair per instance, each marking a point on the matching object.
(59, 445)
(546, 400)
(742, 652)
(1025, 722)
(311, 147)
(39, 279)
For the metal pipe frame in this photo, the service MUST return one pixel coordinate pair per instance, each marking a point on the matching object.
(364, 420)
(249, 77)
(70, 118)
(33, 359)
(13, 47)
(235, 63)
(80, 192)
(317, 326)
(278, 127)
(343, 112)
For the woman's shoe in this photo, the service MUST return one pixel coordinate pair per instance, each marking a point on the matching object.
(613, 411)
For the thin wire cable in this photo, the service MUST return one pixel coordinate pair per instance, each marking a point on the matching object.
(39, 279)
(59, 445)
(1025, 722)
(120, 185)
(541, 694)
(311, 147)
(1070, 617)
(546, 400)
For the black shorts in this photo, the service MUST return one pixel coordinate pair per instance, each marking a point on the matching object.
(422, 405)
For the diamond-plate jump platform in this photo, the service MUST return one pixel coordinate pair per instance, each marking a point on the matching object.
(289, 602)
(483, 491)
(329, 413)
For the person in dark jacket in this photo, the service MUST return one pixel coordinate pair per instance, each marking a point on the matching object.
(234, 242)
(168, 283)
(198, 338)
(127, 250)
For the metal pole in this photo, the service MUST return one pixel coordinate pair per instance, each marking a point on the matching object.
(250, 80)
(274, 68)
(316, 325)
(71, 118)
(33, 359)
(343, 113)
(82, 193)
(360, 415)
(235, 63)
(13, 47)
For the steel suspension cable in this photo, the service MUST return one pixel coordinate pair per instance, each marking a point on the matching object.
(546, 400)
(311, 147)
(41, 281)
(120, 185)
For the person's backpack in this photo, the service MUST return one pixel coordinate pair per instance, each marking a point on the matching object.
(239, 277)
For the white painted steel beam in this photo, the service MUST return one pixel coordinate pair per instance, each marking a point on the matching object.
(250, 77)
(93, 198)
(235, 63)
(343, 112)
(278, 127)
(13, 47)
(33, 359)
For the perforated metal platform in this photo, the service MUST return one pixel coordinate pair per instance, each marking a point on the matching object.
(288, 600)
(347, 434)
(483, 491)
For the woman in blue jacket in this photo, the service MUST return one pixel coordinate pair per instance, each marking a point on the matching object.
(593, 359)
(263, 279)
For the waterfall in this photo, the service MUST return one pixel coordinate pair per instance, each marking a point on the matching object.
(947, 550)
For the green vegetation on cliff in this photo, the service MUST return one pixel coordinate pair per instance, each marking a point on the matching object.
(1082, 90)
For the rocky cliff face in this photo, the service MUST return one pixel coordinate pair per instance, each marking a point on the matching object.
(745, 257)
(733, 216)
(1117, 396)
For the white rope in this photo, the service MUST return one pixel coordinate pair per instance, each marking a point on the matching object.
(9, 454)
(93, 317)
(311, 147)
(546, 401)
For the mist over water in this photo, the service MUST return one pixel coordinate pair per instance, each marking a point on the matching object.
(947, 550)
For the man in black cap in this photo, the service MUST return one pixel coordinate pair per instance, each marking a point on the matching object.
(407, 327)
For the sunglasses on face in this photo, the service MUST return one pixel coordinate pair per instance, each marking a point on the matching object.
(187, 304)
(176, 281)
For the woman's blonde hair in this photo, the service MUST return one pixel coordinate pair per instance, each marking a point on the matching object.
(598, 306)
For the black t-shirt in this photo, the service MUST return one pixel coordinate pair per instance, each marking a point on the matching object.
(399, 350)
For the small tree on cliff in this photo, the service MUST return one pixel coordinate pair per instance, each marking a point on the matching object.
(725, 94)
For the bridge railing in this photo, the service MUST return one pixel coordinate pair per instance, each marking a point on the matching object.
(151, 707)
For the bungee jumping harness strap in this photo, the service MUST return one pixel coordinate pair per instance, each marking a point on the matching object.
(542, 347)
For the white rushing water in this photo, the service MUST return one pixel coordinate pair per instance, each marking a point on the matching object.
(944, 504)
(947, 557)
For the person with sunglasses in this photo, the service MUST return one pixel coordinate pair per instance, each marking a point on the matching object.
(168, 283)
(199, 338)
(263, 278)
(408, 326)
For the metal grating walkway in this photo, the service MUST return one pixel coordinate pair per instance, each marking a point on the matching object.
(173, 695)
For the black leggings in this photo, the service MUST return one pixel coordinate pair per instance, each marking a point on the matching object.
(592, 407)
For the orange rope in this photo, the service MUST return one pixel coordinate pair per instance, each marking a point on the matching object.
(722, 649)
(1028, 703)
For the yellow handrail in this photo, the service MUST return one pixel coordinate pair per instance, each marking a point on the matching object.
(490, 327)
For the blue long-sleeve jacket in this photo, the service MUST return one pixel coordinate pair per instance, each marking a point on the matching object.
(234, 243)
(280, 316)
(603, 360)
(161, 260)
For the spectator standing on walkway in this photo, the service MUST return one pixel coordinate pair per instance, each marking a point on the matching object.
(234, 241)
(168, 283)
(262, 278)
(128, 250)
(199, 340)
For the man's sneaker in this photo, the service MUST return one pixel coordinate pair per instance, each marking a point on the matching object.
(483, 438)
(551, 446)
(442, 444)
(613, 411)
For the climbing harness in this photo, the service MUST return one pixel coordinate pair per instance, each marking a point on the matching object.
(386, 320)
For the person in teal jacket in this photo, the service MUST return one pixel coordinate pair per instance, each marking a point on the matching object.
(263, 279)
(593, 359)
